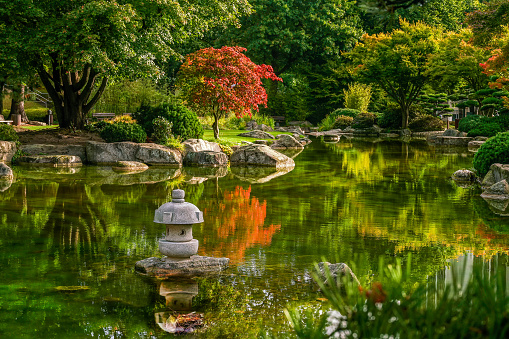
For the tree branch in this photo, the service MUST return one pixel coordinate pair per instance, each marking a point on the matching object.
(88, 107)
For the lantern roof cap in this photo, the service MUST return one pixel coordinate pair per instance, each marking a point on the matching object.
(177, 211)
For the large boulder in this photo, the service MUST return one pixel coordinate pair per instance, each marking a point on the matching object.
(264, 128)
(453, 133)
(450, 141)
(5, 172)
(257, 135)
(50, 160)
(463, 175)
(497, 172)
(474, 145)
(151, 154)
(7, 150)
(285, 141)
(260, 155)
(42, 149)
(199, 145)
(497, 191)
(206, 158)
(251, 125)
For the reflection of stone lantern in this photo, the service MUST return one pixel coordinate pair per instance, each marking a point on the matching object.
(179, 217)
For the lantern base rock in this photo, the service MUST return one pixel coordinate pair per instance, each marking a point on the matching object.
(174, 267)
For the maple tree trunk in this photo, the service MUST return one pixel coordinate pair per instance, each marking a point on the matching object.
(71, 92)
(405, 112)
(18, 104)
(215, 125)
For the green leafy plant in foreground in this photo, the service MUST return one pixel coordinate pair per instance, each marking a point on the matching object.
(395, 308)
(494, 150)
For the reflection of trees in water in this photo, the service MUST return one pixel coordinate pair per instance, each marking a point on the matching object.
(238, 222)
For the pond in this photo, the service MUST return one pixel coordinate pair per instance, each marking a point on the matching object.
(70, 238)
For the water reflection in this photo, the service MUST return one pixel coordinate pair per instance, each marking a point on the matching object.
(5, 184)
(259, 175)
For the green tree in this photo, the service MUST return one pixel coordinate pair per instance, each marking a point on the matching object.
(398, 62)
(75, 46)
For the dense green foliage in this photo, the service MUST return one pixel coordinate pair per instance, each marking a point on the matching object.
(486, 129)
(349, 112)
(426, 123)
(162, 130)
(342, 122)
(123, 131)
(7, 133)
(494, 150)
(185, 122)
(364, 120)
(390, 118)
(469, 122)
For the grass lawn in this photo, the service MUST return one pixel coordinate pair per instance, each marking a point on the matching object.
(36, 128)
(230, 137)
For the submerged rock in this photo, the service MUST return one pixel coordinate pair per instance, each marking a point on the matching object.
(497, 191)
(497, 172)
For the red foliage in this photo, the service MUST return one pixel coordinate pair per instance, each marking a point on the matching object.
(376, 294)
(225, 79)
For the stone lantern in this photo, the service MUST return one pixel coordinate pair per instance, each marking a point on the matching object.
(179, 217)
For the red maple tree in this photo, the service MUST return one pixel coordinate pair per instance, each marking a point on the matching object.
(219, 81)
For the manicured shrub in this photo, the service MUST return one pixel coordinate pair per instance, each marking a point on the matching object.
(342, 122)
(390, 119)
(7, 133)
(122, 131)
(185, 122)
(469, 122)
(425, 123)
(494, 150)
(486, 129)
(349, 112)
(364, 120)
(162, 130)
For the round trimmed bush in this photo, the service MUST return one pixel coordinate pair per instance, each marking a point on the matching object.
(390, 119)
(122, 131)
(494, 150)
(487, 129)
(426, 123)
(469, 122)
(364, 120)
(342, 121)
(185, 122)
(7, 133)
(349, 112)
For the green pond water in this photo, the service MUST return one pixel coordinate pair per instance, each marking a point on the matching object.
(69, 239)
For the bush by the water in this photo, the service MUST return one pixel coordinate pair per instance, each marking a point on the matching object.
(328, 122)
(342, 122)
(425, 123)
(486, 129)
(162, 130)
(494, 150)
(390, 119)
(469, 122)
(185, 122)
(364, 120)
(7, 133)
(123, 131)
(349, 112)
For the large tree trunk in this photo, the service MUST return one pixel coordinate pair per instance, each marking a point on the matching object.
(18, 104)
(71, 92)
(405, 113)
(215, 125)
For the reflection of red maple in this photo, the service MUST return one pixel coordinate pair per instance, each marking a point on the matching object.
(238, 222)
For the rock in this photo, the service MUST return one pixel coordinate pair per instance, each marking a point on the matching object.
(5, 184)
(337, 272)
(50, 160)
(194, 266)
(349, 129)
(453, 133)
(37, 123)
(450, 141)
(251, 125)
(331, 138)
(285, 141)
(498, 206)
(5, 172)
(291, 152)
(199, 145)
(474, 145)
(257, 135)
(151, 154)
(372, 131)
(497, 172)
(389, 135)
(497, 191)
(129, 166)
(206, 158)
(260, 155)
(41, 149)
(264, 128)
(259, 175)
(261, 142)
(481, 138)
(463, 175)
(405, 132)
(7, 150)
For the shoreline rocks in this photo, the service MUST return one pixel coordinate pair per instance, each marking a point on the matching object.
(260, 155)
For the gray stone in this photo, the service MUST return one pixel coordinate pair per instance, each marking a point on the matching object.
(498, 206)
(257, 135)
(37, 123)
(151, 154)
(7, 150)
(474, 145)
(259, 175)
(497, 172)
(5, 172)
(42, 149)
(337, 272)
(463, 175)
(194, 266)
(261, 142)
(264, 128)
(199, 145)
(5, 184)
(373, 131)
(450, 141)
(453, 133)
(177, 211)
(481, 138)
(389, 135)
(174, 249)
(405, 132)
(285, 141)
(260, 155)
(291, 152)
(497, 191)
(50, 160)
(251, 125)
(129, 166)
(206, 158)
